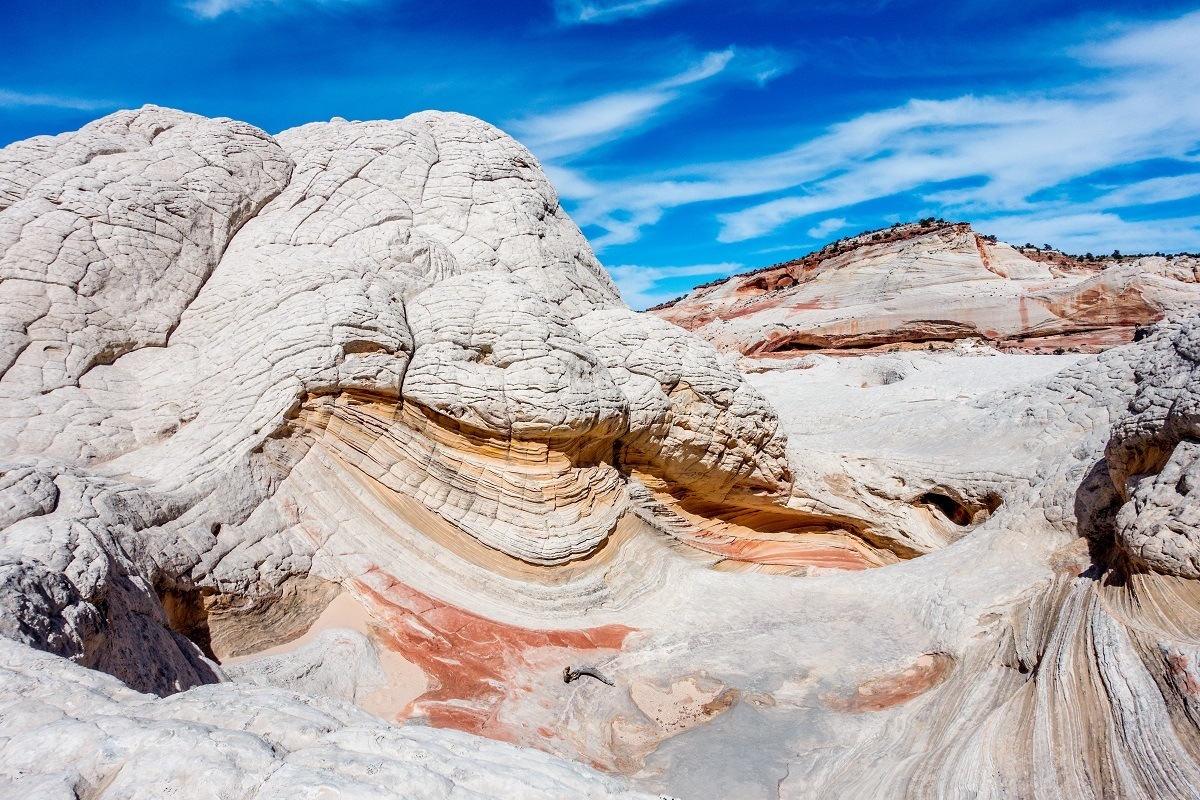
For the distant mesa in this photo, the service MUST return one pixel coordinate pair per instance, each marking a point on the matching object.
(923, 284)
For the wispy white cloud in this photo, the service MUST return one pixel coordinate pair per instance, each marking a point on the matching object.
(641, 287)
(574, 12)
(779, 248)
(580, 127)
(570, 182)
(1150, 191)
(823, 229)
(574, 130)
(712, 64)
(1097, 232)
(972, 156)
(587, 124)
(211, 9)
(10, 99)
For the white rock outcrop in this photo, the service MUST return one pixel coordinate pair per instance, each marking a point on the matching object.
(1154, 456)
(932, 282)
(190, 304)
(70, 731)
(326, 454)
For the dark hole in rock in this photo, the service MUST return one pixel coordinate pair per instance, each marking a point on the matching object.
(953, 510)
(359, 346)
(486, 354)
(187, 614)
(768, 283)
(793, 345)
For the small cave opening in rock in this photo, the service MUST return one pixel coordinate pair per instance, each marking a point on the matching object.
(187, 614)
(767, 283)
(794, 345)
(959, 513)
(1097, 502)
(362, 347)
(486, 354)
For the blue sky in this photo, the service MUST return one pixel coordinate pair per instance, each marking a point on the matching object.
(694, 139)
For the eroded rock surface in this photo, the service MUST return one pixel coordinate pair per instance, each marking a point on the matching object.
(327, 452)
(71, 731)
(192, 305)
(1154, 456)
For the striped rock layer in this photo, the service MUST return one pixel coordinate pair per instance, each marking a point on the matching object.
(309, 439)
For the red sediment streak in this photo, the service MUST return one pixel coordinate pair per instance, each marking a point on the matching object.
(983, 254)
(827, 550)
(1086, 341)
(773, 302)
(889, 691)
(472, 663)
(1178, 665)
(796, 554)
(788, 554)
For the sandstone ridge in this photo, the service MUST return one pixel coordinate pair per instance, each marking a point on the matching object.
(936, 282)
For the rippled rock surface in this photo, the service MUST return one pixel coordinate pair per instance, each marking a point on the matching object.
(328, 454)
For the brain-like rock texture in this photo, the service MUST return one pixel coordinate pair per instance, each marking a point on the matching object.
(1154, 455)
(189, 304)
(109, 233)
(919, 284)
(69, 731)
(328, 453)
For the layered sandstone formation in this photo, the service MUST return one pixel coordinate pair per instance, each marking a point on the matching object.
(326, 453)
(920, 284)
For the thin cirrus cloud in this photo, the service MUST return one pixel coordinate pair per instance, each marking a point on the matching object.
(574, 12)
(826, 227)
(1080, 232)
(1152, 190)
(212, 9)
(642, 287)
(10, 99)
(979, 156)
(566, 132)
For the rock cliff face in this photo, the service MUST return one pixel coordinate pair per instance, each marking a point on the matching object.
(918, 284)
(325, 454)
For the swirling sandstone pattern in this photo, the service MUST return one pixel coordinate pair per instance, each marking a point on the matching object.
(190, 304)
(352, 415)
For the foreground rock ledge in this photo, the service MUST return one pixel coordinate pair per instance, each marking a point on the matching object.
(329, 451)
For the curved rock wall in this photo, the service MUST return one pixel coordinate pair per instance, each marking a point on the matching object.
(219, 282)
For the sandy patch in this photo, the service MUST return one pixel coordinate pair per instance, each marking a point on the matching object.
(405, 680)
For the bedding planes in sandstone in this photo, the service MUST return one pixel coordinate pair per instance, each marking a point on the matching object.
(330, 456)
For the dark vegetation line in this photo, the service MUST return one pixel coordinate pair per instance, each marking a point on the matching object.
(900, 231)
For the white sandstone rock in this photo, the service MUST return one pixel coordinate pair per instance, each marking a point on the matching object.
(377, 361)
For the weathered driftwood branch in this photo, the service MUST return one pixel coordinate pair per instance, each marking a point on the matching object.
(575, 674)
